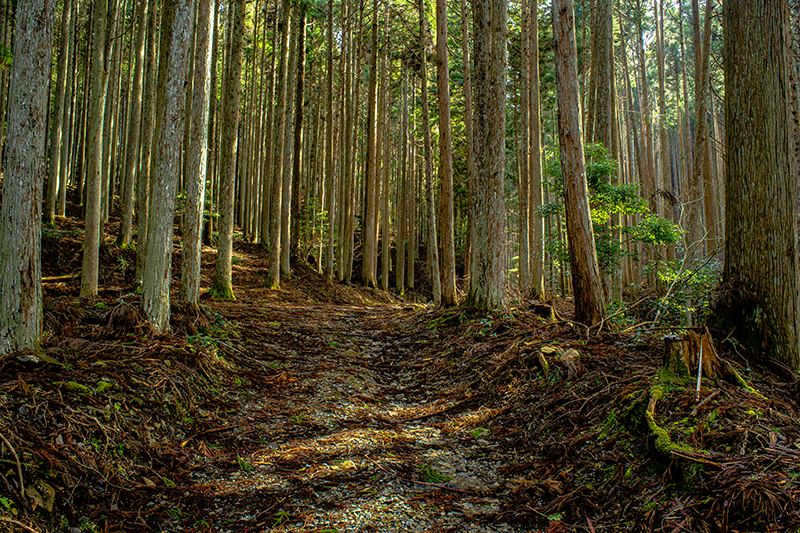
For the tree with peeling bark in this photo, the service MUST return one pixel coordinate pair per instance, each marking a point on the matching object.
(24, 170)
(590, 306)
(761, 235)
(158, 269)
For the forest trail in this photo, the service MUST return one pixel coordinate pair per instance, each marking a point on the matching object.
(337, 434)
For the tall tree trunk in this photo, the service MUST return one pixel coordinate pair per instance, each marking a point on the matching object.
(57, 138)
(146, 156)
(536, 232)
(197, 158)
(223, 283)
(93, 231)
(488, 275)
(761, 235)
(524, 159)
(402, 212)
(369, 262)
(134, 126)
(288, 151)
(297, 163)
(695, 230)
(469, 152)
(330, 170)
(24, 171)
(445, 160)
(590, 306)
(274, 274)
(158, 270)
(433, 246)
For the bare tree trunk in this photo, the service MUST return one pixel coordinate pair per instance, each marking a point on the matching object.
(134, 126)
(57, 138)
(433, 246)
(223, 283)
(158, 270)
(402, 213)
(488, 275)
(145, 163)
(468, 133)
(24, 170)
(297, 163)
(524, 159)
(369, 262)
(93, 232)
(274, 274)
(445, 160)
(330, 169)
(761, 239)
(535, 198)
(197, 158)
(590, 306)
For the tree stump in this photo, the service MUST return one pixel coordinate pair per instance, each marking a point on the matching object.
(682, 356)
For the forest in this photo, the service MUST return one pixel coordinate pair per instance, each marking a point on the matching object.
(393, 265)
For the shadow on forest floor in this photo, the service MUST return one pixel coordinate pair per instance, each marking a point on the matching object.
(332, 408)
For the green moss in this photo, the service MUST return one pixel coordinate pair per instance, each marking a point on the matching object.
(220, 291)
(664, 443)
(103, 386)
(76, 387)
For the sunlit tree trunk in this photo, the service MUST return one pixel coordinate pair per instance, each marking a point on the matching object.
(197, 157)
(222, 286)
(97, 100)
(487, 287)
(125, 236)
(146, 156)
(433, 246)
(590, 306)
(369, 264)
(24, 171)
(158, 270)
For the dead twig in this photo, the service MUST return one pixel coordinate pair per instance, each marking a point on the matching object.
(19, 466)
(17, 523)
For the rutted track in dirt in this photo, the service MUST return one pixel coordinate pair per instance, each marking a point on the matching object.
(334, 435)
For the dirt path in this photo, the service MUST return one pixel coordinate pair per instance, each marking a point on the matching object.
(336, 436)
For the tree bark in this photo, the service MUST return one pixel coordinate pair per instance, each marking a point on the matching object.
(590, 306)
(369, 262)
(24, 171)
(761, 236)
(134, 126)
(57, 144)
(158, 270)
(223, 282)
(488, 263)
(197, 157)
(93, 232)
(433, 246)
